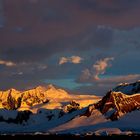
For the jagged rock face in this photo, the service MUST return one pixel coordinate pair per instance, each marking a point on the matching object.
(13, 99)
(10, 99)
(14, 93)
(73, 106)
(116, 104)
(34, 96)
(120, 100)
(12, 103)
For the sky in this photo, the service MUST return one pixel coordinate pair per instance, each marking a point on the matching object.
(86, 46)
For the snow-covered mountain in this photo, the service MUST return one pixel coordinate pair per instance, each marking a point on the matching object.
(40, 108)
(128, 88)
(13, 99)
(115, 113)
(54, 110)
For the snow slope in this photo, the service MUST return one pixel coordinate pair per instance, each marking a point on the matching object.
(128, 88)
(126, 125)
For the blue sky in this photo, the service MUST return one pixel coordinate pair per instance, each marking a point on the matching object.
(65, 83)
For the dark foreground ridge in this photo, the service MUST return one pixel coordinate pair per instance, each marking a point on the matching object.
(69, 137)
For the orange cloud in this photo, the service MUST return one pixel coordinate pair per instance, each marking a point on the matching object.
(7, 63)
(72, 59)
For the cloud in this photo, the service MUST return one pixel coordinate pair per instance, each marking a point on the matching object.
(99, 86)
(20, 73)
(72, 59)
(88, 40)
(102, 86)
(120, 79)
(20, 84)
(85, 76)
(33, 1)
(76, 59)
(109, 6)
(101, 66)
(7, 63)
(63, 60)
(93, 44)
(42, 66)
(79, 15)
(2, 18)
(98, 68)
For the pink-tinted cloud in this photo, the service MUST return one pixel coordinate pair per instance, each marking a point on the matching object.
(100, 85)
(72, 59)
(7, 63)
(101, 66)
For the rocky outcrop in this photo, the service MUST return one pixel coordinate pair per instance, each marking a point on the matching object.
(73, 106)
(116, 104)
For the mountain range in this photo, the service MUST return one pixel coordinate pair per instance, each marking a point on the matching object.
(51, 110)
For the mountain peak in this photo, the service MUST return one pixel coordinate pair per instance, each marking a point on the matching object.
(128, 88)
(116, 104)
(51, 86)
(13, 90)
(41, 88)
